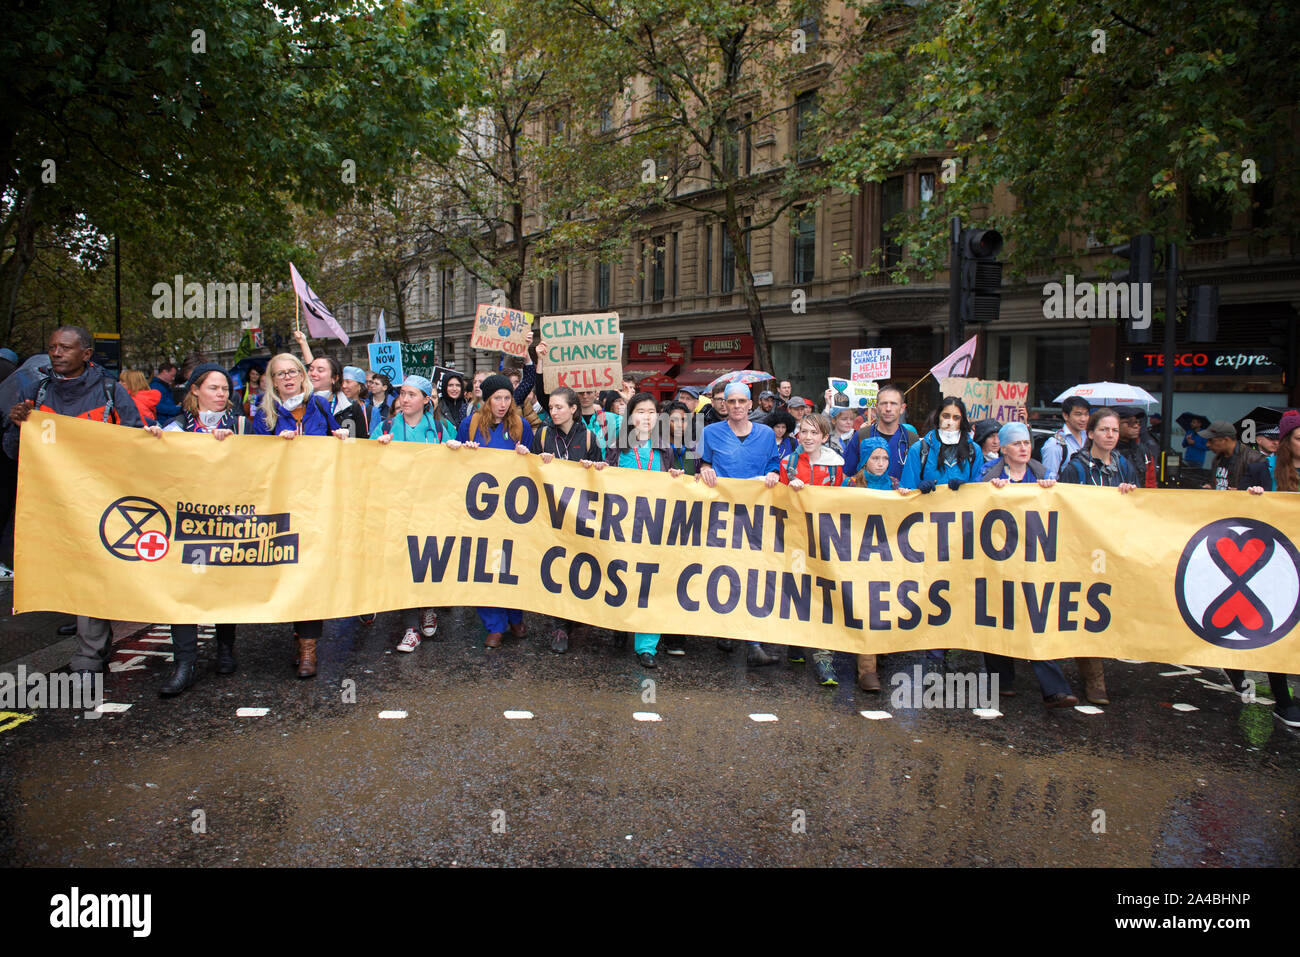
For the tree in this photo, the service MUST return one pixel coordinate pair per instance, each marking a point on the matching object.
(713, 72)
(1097, 118)
(129, 117)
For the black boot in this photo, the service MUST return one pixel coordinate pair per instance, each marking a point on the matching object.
(226, 661)
(182, 677)
(758, 656)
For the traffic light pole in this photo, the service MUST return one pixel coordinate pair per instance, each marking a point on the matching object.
(954, 286)
(1167, 379)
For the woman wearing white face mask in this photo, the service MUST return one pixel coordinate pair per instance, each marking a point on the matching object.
(946, 455)
(205, 408)
(289, 410)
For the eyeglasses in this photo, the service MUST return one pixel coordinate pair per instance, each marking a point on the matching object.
(286, 374)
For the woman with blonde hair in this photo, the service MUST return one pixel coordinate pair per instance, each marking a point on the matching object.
(145, 398)
(289, 409)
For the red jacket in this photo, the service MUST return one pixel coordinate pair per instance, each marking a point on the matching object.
(828, 470)
(146, 400)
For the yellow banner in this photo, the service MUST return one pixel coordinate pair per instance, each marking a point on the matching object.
(116, 523)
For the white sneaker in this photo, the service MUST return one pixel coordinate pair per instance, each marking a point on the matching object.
(428, 622)
(6, 573)
(410, 641)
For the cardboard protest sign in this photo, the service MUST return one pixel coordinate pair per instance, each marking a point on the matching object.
(498, 329)
(988, 399)
(870, 365)
(585, 352)
(856, 395)
(386, 359)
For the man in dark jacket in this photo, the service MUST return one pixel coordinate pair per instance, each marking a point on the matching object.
(1234, 465)
(167, 408)
(78, 388)
(1136, 444)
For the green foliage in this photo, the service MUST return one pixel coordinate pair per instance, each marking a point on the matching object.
(1107, 142)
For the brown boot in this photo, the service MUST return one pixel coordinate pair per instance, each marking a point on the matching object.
(1094, 679)
(306, 657)
(867, 679)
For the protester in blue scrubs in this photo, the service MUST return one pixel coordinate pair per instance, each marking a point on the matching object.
(740, 448)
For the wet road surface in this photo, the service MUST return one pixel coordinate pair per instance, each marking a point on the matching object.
(322, 779)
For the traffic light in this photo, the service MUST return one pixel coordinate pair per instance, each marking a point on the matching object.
(1203, 314)
(981, 275)
(1140, 252)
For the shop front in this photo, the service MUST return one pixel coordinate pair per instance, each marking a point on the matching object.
(712, 356)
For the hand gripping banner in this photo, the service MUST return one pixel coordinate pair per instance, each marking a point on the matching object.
(115, 523)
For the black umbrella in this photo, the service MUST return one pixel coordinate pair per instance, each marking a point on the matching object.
(1185, 420)
(1265, 417)
(241, 367)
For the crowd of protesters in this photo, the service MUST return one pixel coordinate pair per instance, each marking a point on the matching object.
(780, 438)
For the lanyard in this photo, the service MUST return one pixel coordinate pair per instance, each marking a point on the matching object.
(650, 467)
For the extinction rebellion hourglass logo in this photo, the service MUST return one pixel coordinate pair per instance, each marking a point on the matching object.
(1238, 584)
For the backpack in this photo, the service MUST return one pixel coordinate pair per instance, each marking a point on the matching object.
(110, 389)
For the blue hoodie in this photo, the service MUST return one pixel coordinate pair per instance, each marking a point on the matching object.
(929, 449)
(317, 420)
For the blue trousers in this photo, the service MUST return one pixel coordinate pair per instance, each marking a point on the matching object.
(643, 642)
(1049, 674)
(497, 620)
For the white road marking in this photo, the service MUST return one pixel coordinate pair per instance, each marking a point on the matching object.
(392, 714)
(1088, 709)
(251, 712)
(645, 716)
(1184, 671)
(112, 707)
(986, 712)
(1185, 707)
(518, 715)
(164, 640)
(762, 717)
(135, 664)
(875, 715)
(144, 651)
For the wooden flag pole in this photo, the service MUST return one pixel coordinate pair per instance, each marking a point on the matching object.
(916, 383)
(297, 305)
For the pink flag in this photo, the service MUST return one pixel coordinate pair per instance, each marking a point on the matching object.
(956, 364)
(320, 321)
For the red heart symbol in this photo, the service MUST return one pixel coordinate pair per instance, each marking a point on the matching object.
(1237, 607)
(1239, 559)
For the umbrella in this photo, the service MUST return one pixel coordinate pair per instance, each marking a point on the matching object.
(1108, 393)
(241, 367)
(1185, 420)
(743, 376)
(1265, 417)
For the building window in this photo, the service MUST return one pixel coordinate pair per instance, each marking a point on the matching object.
(891, 204)
(658, 264)
(450, 275)
(738, 147)
(602, 286)
(728, 276)
(805, 111)
(811, 28)
(606, 118)
(925, 183)
(708, 260)
(805, 244)
(672, 265)
(553, 294)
